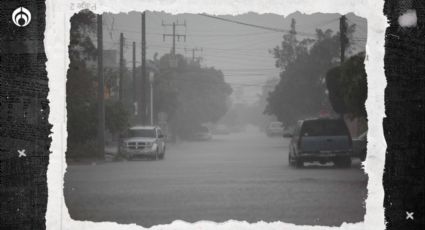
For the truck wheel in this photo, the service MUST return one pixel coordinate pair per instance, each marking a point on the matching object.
(291, 160)
(156, 155)
(337, 162)
(162, 155)
(344, 162)
(299, 163)
(347, 162)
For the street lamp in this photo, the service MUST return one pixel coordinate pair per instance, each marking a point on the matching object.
(151, 79)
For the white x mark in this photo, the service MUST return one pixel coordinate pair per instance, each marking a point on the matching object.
(409, 215)
(22, 153)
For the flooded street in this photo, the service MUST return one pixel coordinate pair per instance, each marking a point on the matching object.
(241, 176)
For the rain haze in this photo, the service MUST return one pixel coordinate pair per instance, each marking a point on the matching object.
(216, 117)
(240, 51)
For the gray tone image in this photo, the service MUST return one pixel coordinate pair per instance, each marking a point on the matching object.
(216, 117)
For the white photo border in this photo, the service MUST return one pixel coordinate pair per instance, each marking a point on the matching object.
(58, 14)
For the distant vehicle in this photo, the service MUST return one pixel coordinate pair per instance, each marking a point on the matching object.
(359, 146)
(288, 131)
(275, 128)
(143, 141)
(322, 140)
(203, 134)
(221, 130)
(237, 128)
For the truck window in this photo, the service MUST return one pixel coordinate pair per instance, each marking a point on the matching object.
(324, 128)
(141, 133)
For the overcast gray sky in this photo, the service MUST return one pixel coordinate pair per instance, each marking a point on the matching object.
(241, 52)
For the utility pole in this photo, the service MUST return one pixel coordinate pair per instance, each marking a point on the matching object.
(134, 75)
(100, 92)
(142, 106)
(194, 50)
(151, 76)
(120, 96)
(174, 35)
(343, 36)
(173, 61)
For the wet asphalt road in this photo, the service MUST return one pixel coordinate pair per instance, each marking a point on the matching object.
(239, 176)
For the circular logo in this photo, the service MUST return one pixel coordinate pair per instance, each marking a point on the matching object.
(21, 17)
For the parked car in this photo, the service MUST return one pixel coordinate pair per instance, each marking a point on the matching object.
(323, 140)
(202, 134)
(288, 131)
(359, 146)
(143, 141)
(275, 128)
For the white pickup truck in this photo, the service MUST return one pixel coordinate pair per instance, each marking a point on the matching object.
(143, 141)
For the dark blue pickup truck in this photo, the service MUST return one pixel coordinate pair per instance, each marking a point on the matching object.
(323, 140)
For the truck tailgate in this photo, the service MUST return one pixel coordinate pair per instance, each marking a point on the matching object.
(325, 143)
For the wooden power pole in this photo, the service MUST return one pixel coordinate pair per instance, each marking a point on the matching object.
(143, 88)
(343, 36)
(121, 73)
(174, 35)
(100, 87)
(194, 57)
(134, 76)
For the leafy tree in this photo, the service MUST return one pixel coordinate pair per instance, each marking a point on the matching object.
(80, 87)
(81, 90)
(190, 95)
(81, 107)
(116, 117)
(81, 47)
(290, 48)
(347, 85)
(81, 94)
(300, 92)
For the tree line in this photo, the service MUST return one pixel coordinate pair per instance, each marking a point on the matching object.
(189, 94)
(313, 80)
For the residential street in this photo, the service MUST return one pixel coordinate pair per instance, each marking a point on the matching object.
(242, 176)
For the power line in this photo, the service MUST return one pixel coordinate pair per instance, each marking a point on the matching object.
(243, 23)
(239, 69)
(194, 50)
(274, 29)
(237, 22)
(229, 34)
(326, 22)
(256, 26)
(195, 34)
